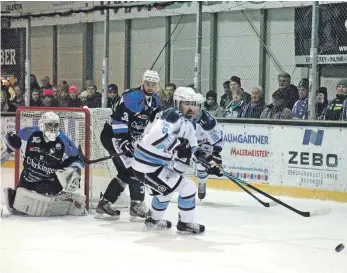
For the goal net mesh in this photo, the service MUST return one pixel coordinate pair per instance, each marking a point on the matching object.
(83, 126)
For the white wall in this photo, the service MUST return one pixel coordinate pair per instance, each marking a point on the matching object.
(70, 53)
(42, 52)
(281, 41)
(238, 49)
(116, 53)
(183, 47)
(147, 40)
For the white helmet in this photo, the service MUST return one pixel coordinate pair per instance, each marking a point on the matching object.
(150, 76)
(187, 94)
(49, 125)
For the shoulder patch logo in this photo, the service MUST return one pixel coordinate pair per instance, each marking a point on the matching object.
(58, 146)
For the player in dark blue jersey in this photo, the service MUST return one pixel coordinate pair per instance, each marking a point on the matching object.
(51, 173)
(131, 114)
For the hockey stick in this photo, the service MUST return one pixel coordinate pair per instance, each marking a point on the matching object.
(302, 213)
(265, 204)
(85, 160)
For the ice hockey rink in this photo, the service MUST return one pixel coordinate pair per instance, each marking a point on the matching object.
(241, 237)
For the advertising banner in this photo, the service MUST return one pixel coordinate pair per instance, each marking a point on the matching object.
(332, 29)
(310, 157)
(247, 152)
(299, 156)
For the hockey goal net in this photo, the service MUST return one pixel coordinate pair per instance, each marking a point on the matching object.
(83, 126)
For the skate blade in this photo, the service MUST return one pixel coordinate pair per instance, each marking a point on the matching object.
(155, 228)
(190, 233)
(104, 216)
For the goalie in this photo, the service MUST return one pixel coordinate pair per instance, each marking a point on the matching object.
(51, 174)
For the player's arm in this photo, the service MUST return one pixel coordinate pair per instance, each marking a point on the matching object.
(16, 140)
(70, 176)
(122, 112)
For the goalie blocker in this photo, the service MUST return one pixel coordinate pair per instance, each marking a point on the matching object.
(51, 174)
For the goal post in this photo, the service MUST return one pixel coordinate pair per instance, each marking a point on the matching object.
(83, 126)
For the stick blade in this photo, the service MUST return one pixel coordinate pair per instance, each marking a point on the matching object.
(320, 212)
(272, 204)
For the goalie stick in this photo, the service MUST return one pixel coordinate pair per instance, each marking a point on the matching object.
(302, 213)
(92, 161)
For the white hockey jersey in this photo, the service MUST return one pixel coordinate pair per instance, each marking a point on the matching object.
(156, 148)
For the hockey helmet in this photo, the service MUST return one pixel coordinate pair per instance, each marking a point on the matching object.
(49, 125)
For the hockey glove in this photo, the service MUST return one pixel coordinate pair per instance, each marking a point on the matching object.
(69, 178)
(127, 147)
(183, 149)
(216, 165)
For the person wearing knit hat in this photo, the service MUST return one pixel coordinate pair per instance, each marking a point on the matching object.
(300, 108)
(74, 101)
(334, 110)
(277, 109)
(211, 105)
(235, 82)
(48, 98)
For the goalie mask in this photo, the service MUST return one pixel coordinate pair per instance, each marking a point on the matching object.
(188, 101)
(49, 125)
(150, 81)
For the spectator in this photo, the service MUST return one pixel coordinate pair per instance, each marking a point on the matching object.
(235, 82)
(33, 83)
(74, 101)
(334, 109)
(4, 105)
(112, 95)
(235, 108)
(277, 109)
(94, 97)
(166, 96)
(291, 94)
(300, 108)
(35, 99)
(63, 95)
(211, 105)
(344, 110)
(321, 102)
(5, 89)
(56, 92)
(256, 106)
(46, 83)
(227, 97)
(18, 99)
(48, 99)
(84, 98)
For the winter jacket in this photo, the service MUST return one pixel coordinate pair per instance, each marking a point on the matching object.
(300, 109)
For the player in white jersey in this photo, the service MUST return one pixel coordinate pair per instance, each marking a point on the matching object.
(210, 140)
(172, 136)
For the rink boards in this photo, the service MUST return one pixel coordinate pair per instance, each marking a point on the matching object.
(298, 159)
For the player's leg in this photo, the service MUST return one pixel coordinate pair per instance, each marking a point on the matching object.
(162, 183)
(186, 206)
(116, 187)
(202, 175)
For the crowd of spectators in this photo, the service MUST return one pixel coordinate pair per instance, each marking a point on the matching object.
(288, 101)
(48, 95)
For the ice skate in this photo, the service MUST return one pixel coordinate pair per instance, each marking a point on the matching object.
(105, 211)
(190, 228)
(151, 224)
(138, 211)
(202, 191)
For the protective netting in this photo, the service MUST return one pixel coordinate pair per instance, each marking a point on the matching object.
(83, 127)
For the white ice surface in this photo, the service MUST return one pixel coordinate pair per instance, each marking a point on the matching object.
(241, 237)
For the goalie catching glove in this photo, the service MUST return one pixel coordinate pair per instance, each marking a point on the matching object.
(69, 178)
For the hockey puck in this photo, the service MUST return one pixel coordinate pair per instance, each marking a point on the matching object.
(339, 247)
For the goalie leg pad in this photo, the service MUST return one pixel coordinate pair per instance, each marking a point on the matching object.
(35, 204)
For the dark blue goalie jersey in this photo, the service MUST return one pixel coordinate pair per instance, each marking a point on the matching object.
(41, 158)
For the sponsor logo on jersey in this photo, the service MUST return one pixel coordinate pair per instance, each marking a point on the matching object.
(138, 126)
(38, 166)
(34, 149)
